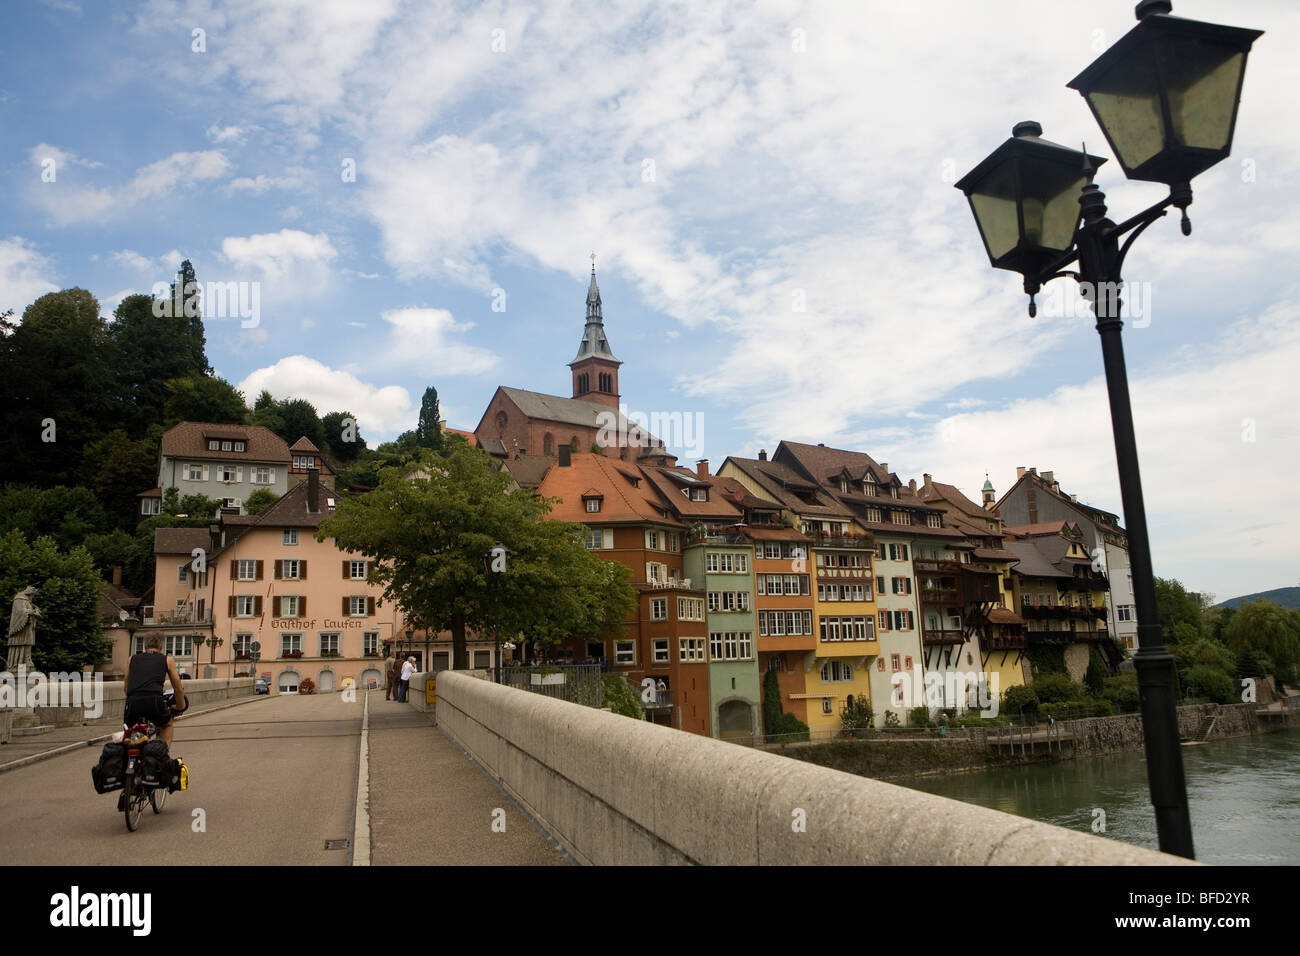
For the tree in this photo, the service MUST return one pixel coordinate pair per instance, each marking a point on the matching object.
(192, 310)
(342, 436)
(259, 501)
(59, 389)
(1176, 606)
(1269, 631)
(117, 469)
(68, 634)
(67, 515)
(150, 350)
(430, 531)
(1095, 678)
(202, 398)
(428, 433)
(291, 419)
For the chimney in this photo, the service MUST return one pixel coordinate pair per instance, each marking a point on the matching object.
(313, 490)
(911, 483)
(1048, 477)
(929, 485)
(565, 452)
(1034, 472)
(1020, 472)
(884, 466)
(117, 575)
(702, 468)
(762, 454)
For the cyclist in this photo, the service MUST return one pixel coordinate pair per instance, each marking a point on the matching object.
(144, 688)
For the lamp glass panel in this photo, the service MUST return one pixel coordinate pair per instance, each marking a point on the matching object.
(1127, 103)
(994, 202)
(1203, 84)
(1051, 205)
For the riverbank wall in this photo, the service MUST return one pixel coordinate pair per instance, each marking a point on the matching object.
(975, 748)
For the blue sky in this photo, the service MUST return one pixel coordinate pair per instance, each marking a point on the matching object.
(727, 162)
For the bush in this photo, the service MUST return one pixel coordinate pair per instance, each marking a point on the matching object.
(891, 718)
(791, 728)
(1095, 679)
(1211, 683)
(621, 698)
(308, 686)
(857, 717)
(1056, 687)
(918, 717)
(1122, 693)
(1020, 699)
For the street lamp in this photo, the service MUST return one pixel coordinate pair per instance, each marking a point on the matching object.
(1166, 98)
(496, 559)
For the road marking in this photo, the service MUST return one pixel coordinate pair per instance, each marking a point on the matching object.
(361, 826)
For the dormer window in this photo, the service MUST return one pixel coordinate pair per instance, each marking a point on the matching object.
(214, 445)
(239, 446)
(893, 492)
(869, 488)
(227, 446)
(592, 503)
(933, 521)
(304, 461)
(699, 494)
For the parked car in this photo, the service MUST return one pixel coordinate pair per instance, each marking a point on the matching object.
(261, 686)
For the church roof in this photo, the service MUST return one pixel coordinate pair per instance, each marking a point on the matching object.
(594, 344)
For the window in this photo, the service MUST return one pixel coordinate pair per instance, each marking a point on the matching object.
(247, 570)
(674, 542)
(329, 645)
(357, 605)
(290, 642)
(180, 645)
(699, 494)
(150, 506)
(656, 573)
(288, 605)
(138, 644)
(303, 462)
(836, 672)
(898, 552)
(289, 569)
(201, 581)
(244, 605)
(290, 536)
(731, 645)
(370, 642)
(654, 540)
(227, 446)
(243, 644)
(933, 521)
(658, 609)
(194, 472)
(826, 706)
(893, 662)
(690, 650)
(228, 473)
(593, 538)
(183, 574)
(659, 648)
(625, 652)
(900, 517)
(261, 475)
(908, 663)
(1124, 612)
(214, 444)
(239, 446)
(690, 609)
(882, 620)
(592, 504)
(357, 570)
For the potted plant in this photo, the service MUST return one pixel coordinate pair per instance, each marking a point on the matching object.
(307, 686)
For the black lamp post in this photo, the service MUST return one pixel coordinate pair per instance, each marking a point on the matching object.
(496, 561)
(1166, 97)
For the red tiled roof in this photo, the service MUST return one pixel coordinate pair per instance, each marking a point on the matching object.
(622, 502)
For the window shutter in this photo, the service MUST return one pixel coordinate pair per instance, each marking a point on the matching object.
(234, 569)
(346, 609)
(279, 569)
(205, 472)
(302, 607)
(257, 605)
(607, 537)
(911, 621)
(302, 570)
(347, 571)
(231, 608)
(258, 576)
(271, 475)
(277, 602)
(239, 473)
(908, 582)
(370, 607)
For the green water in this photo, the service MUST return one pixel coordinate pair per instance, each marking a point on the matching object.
(1244, 795)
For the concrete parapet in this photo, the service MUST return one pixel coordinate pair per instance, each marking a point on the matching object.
(197, 692)
(614, 790)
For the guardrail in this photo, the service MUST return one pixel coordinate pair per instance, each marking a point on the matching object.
(613, 791)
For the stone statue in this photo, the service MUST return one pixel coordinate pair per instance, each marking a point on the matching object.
(22, 629)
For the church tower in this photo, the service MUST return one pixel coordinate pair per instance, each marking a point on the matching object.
(990, 496)
(595, 370)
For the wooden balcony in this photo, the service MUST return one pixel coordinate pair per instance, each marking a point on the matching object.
(798, 642)
(942, 637)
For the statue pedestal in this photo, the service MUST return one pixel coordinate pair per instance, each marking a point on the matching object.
(24, 717)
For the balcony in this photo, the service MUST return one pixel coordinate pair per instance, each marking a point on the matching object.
(180, 615)
(936, 566)
(823, 539)
(942, 637)
(783, 642)
(826, 571)
(936, 595)
(662, 700)
(1003, 642)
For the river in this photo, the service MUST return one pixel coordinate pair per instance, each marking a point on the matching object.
(1244, 795)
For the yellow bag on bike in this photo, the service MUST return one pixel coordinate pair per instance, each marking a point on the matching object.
(180, 776)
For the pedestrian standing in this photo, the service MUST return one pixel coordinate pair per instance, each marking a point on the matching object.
(390, 676)
(404, 682)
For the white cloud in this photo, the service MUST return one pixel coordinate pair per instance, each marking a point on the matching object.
(227, 134)
(279, 254)
(108, 303)
(430, 338)
(380, 411)
(132, 260)
(25, 275)
(158, 179)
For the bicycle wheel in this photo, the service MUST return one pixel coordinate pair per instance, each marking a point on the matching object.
(157, 797)
(133, 802)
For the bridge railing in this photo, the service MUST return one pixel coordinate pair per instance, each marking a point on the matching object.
(613, 790)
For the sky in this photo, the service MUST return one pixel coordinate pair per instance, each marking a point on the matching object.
(414, 191)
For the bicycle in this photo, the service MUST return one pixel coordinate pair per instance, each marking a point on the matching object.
(137, 788)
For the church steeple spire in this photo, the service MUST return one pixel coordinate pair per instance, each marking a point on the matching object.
(595, 369)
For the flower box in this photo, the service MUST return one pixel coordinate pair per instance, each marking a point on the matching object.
(291, 654)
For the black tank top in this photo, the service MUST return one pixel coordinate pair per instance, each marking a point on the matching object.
(148, 671)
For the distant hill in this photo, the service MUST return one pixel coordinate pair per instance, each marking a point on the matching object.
(1287, 597)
